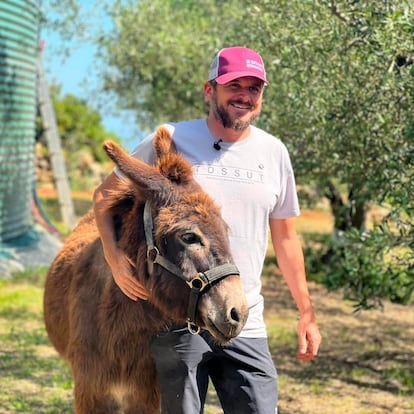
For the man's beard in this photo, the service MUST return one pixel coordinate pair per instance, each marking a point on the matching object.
(222, 115)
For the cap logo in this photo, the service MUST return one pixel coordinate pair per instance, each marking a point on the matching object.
(254, 64)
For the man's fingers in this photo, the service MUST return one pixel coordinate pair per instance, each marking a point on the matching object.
(135, 290)
(307, 353)
(131, 287)
(129, 294)
(302, 344)
(305, 357)
(309, 343)
(135, 294)
(132, 264)
(138, 291)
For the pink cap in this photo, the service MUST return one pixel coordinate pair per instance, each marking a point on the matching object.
(235, 62)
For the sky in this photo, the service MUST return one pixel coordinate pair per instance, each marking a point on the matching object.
(76, 74)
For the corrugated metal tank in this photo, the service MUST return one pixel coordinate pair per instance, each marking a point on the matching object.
(19, 25)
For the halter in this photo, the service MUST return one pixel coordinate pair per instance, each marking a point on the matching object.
(197, 284)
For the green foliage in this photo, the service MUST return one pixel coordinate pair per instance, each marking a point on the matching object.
(341, 77)
(82, 134)
(341, 93)
(52, 209)
(341, 97)
(341, 74)
(80, 127)
(370, 266)
(67, 20)
(158, 54)
(61, 16)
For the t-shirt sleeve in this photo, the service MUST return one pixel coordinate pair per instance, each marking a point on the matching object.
(287, 204)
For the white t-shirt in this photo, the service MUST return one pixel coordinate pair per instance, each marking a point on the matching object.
(253, 181)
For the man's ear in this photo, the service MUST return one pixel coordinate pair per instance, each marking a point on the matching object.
(208, 91)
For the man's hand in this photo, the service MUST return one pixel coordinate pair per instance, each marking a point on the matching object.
(122, 272)
(309, 337)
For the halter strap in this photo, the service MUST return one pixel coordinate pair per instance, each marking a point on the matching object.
(197, 284)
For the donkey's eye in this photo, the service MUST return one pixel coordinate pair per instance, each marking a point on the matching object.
(190, 238)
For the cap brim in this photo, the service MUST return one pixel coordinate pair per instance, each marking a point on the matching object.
(228, 77)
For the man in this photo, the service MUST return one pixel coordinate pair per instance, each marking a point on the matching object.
(249, 173)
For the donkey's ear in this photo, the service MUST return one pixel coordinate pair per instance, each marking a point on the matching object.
(152, 184)
(169, 162)
(163, 143)
(123, 160)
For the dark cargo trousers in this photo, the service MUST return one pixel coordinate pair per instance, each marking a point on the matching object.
(242, 373)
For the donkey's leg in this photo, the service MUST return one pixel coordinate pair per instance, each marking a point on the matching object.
(88, 401)
(135, 405)
(143, 395)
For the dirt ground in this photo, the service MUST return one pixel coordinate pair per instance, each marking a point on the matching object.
(366, 361)
(365, 364)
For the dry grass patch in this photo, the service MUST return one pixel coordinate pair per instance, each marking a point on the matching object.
(365, 363)
(365, 366)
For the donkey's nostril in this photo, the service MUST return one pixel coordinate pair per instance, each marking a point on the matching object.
(234, 315)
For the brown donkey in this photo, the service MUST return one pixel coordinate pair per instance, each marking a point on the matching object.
(174, 234)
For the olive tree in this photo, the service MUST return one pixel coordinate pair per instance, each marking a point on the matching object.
(341, 92)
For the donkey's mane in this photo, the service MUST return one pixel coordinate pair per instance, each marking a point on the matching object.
(123, 198)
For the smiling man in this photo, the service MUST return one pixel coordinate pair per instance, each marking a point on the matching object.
(249, 173)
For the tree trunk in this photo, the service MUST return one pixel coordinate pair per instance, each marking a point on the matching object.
(350, 214)
(339, 209)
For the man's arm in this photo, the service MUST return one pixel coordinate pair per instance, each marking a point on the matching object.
(289, 255)
(117, 260)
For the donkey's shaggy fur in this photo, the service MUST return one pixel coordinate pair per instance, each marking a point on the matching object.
(105, 336)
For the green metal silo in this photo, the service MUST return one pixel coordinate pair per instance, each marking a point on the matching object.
(19, 26)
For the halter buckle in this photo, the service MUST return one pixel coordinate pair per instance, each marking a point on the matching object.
(198, 282)
(193, 328)
(152, 253)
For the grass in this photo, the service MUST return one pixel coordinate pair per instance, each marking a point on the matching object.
(365, 364)
(33, 379)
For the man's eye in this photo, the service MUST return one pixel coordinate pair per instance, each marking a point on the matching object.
(190, 238)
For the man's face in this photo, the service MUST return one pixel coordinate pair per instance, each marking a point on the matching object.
(238, 103)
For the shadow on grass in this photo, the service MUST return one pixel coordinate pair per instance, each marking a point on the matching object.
(34, 384)
(12, 313)
(33, 379)
(371, 352)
